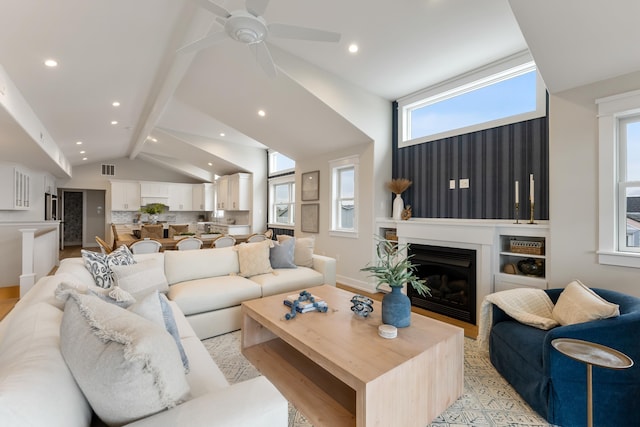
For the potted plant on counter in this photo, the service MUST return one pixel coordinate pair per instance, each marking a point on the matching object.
(394, 268)
(154, 210)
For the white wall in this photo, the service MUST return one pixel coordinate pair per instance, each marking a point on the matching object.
(573, 164)
(88, 177)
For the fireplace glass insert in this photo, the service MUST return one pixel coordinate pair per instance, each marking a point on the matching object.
(451, 275)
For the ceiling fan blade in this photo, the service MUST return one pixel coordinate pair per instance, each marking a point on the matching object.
(214, 8)
(263, 56)
(204, 42)
(257, 7)
(287, 31)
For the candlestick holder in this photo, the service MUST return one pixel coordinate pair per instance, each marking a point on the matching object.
(517, 213)
(531, 221)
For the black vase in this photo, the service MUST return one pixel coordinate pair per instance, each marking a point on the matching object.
(396, 308)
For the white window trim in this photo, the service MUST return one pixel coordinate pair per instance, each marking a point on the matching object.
(272, 183)
(341, 163)
(493, 73)
(610, 109)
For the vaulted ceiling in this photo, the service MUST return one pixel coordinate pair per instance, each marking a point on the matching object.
(125, 51)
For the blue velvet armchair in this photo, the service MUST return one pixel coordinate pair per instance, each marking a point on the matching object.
(555, 385)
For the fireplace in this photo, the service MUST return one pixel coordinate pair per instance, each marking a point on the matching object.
(451, 275)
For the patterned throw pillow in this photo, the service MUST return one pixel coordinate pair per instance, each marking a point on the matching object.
(99, 265)
(254, 258)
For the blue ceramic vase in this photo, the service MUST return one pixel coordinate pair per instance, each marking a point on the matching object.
(396, 308)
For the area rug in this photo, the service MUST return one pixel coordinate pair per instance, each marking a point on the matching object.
(488, 400)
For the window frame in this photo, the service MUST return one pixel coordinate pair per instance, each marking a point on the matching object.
(497, 72)
(610, 204)
(282, 180)
(335, 166)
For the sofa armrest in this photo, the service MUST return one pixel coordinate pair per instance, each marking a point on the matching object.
(327, 266)
(254, 402)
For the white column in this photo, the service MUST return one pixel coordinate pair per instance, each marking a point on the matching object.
(28, 276)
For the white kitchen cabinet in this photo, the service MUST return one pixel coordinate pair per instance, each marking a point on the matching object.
(180, 197)
(222, 193)
(239, 198)
(125, 196)
(15, 194)
(203, 197)
(154, 189)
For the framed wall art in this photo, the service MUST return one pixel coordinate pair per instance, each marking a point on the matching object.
(310, 218)
(310, 186)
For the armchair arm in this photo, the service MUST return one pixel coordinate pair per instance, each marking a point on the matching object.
(326, 266)
(621, 333)
(254, 402)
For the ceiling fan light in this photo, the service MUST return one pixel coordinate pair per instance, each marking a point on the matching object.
(246, 28)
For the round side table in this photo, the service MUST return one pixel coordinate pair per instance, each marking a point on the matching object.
(591, 354)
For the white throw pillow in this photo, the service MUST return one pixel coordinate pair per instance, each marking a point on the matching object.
(141, 278)
(578, 304)
(254, 258)
(303, 253)
(127, 367)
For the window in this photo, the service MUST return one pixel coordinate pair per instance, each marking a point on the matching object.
(344, 179)
(279, 164)
(281, 190)
(506, 92)
(282, 195)
(619, 175)
(629, 184)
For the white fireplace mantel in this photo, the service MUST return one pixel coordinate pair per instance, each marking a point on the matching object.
(480, 235)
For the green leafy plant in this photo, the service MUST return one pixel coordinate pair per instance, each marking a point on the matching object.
(153, 208)
(395, 268)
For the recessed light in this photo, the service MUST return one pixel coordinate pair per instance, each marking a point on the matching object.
(152, 139)
(82, 152)
(221, 133)
(210, 164)
(79, 143)
(84, 158)
(114, 122)
(353, 48)
(261, 113)
(115, 103)
(51, 63)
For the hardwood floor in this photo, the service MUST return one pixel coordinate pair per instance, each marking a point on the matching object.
(9, 297)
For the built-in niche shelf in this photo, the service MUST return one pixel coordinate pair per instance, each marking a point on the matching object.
(517, 248)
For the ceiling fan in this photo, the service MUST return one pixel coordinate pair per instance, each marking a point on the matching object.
(249, 27)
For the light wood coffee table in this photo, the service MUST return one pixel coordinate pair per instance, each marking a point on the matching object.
(337, 370)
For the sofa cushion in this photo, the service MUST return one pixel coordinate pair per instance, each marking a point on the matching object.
(213, 293)
(286, 279)
(127, 367)
(141, 278)
(281, 255)
(99, 265)
(303, 252)
(253, 258)
(36, 387)
(180, 266)
(578, 304)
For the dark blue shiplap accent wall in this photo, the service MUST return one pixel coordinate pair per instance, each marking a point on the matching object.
(491, 159)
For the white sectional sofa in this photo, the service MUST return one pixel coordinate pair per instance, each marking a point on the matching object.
(37, 387)
(207, 286)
